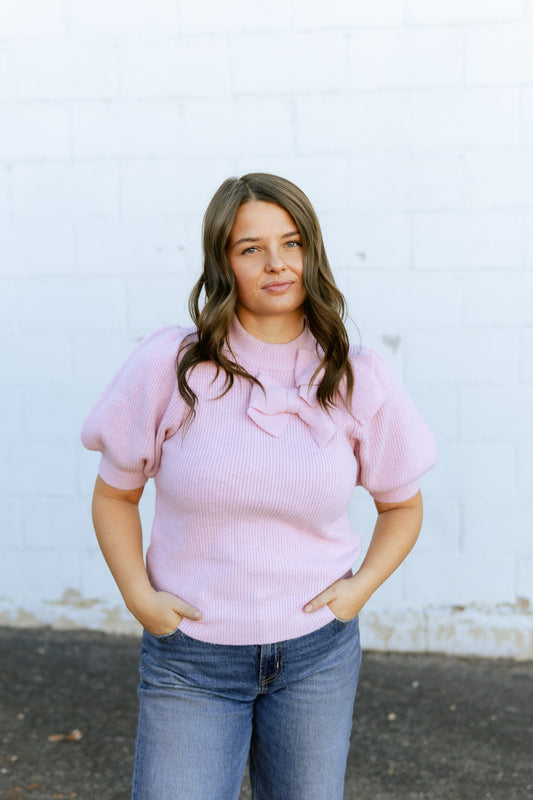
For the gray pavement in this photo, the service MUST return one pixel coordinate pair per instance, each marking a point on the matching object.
(426, 727)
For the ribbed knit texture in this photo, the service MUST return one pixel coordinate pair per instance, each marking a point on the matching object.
(250, 520)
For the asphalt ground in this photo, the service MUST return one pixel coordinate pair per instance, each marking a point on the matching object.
(426, 726)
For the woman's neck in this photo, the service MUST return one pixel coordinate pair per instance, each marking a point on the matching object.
(273, 330)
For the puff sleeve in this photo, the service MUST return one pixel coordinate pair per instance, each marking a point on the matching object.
(140, 408)
(393, 445)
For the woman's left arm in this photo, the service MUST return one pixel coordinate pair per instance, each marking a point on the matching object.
(396, 531)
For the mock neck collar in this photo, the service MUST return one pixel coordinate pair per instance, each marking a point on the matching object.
(277, 357)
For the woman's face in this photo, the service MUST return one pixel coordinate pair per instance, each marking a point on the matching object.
(266, 255)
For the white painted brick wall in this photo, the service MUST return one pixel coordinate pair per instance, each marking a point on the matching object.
(62, 69)
(471, 470)
(248, 126)
(122, 18)
(4, 191)
(524, 578)
(487, 357)
(407, 181)
(44, 246)
(235, 17)
(500, 55)
(526, 96)
(497, 178)
(361, 122)
(128, 247)
(469, 239)
(497, 527)
(525, 475)
(464, 119)
(528, 224)
(380, 301)
(36, 360)
(410, 126)
(468, 578)
(526, 356)
(130, 129)
(180, 68)
(19, 124)
(405, 58)
(502, 300)
(3, 71)
(59, 189)
(8, 306)
(457, 12)
(309, 14)
(27, 18)
(303, 62)
(496, 414)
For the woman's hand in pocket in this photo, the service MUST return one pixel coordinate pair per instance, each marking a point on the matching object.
(160, 613)
(344, 598)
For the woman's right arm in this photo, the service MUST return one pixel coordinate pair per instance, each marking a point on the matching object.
(118, 529)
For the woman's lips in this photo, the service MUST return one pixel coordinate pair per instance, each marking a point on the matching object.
(277, 287)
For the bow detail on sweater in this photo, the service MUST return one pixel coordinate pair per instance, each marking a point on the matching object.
(270, 409)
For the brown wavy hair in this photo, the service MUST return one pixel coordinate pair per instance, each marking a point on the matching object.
(324, 306)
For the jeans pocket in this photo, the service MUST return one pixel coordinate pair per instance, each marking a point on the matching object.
(341, 623)
(166, 637)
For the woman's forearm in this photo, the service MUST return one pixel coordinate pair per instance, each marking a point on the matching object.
(395, 533)
(118, 529)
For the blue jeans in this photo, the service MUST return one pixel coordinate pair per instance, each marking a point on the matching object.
(206, 708)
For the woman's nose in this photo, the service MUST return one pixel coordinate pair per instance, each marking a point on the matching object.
(274, 261)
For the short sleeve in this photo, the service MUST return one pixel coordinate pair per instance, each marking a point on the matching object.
(139, 409)
(392, 444)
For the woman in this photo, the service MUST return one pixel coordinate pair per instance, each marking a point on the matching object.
(256, 425)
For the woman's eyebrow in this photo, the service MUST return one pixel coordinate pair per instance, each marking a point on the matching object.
(257, 239)
(245, 239)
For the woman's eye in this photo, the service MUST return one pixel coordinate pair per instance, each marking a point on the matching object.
(249, 250)
(293, 244)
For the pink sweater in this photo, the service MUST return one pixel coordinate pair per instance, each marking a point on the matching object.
(250, 521)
